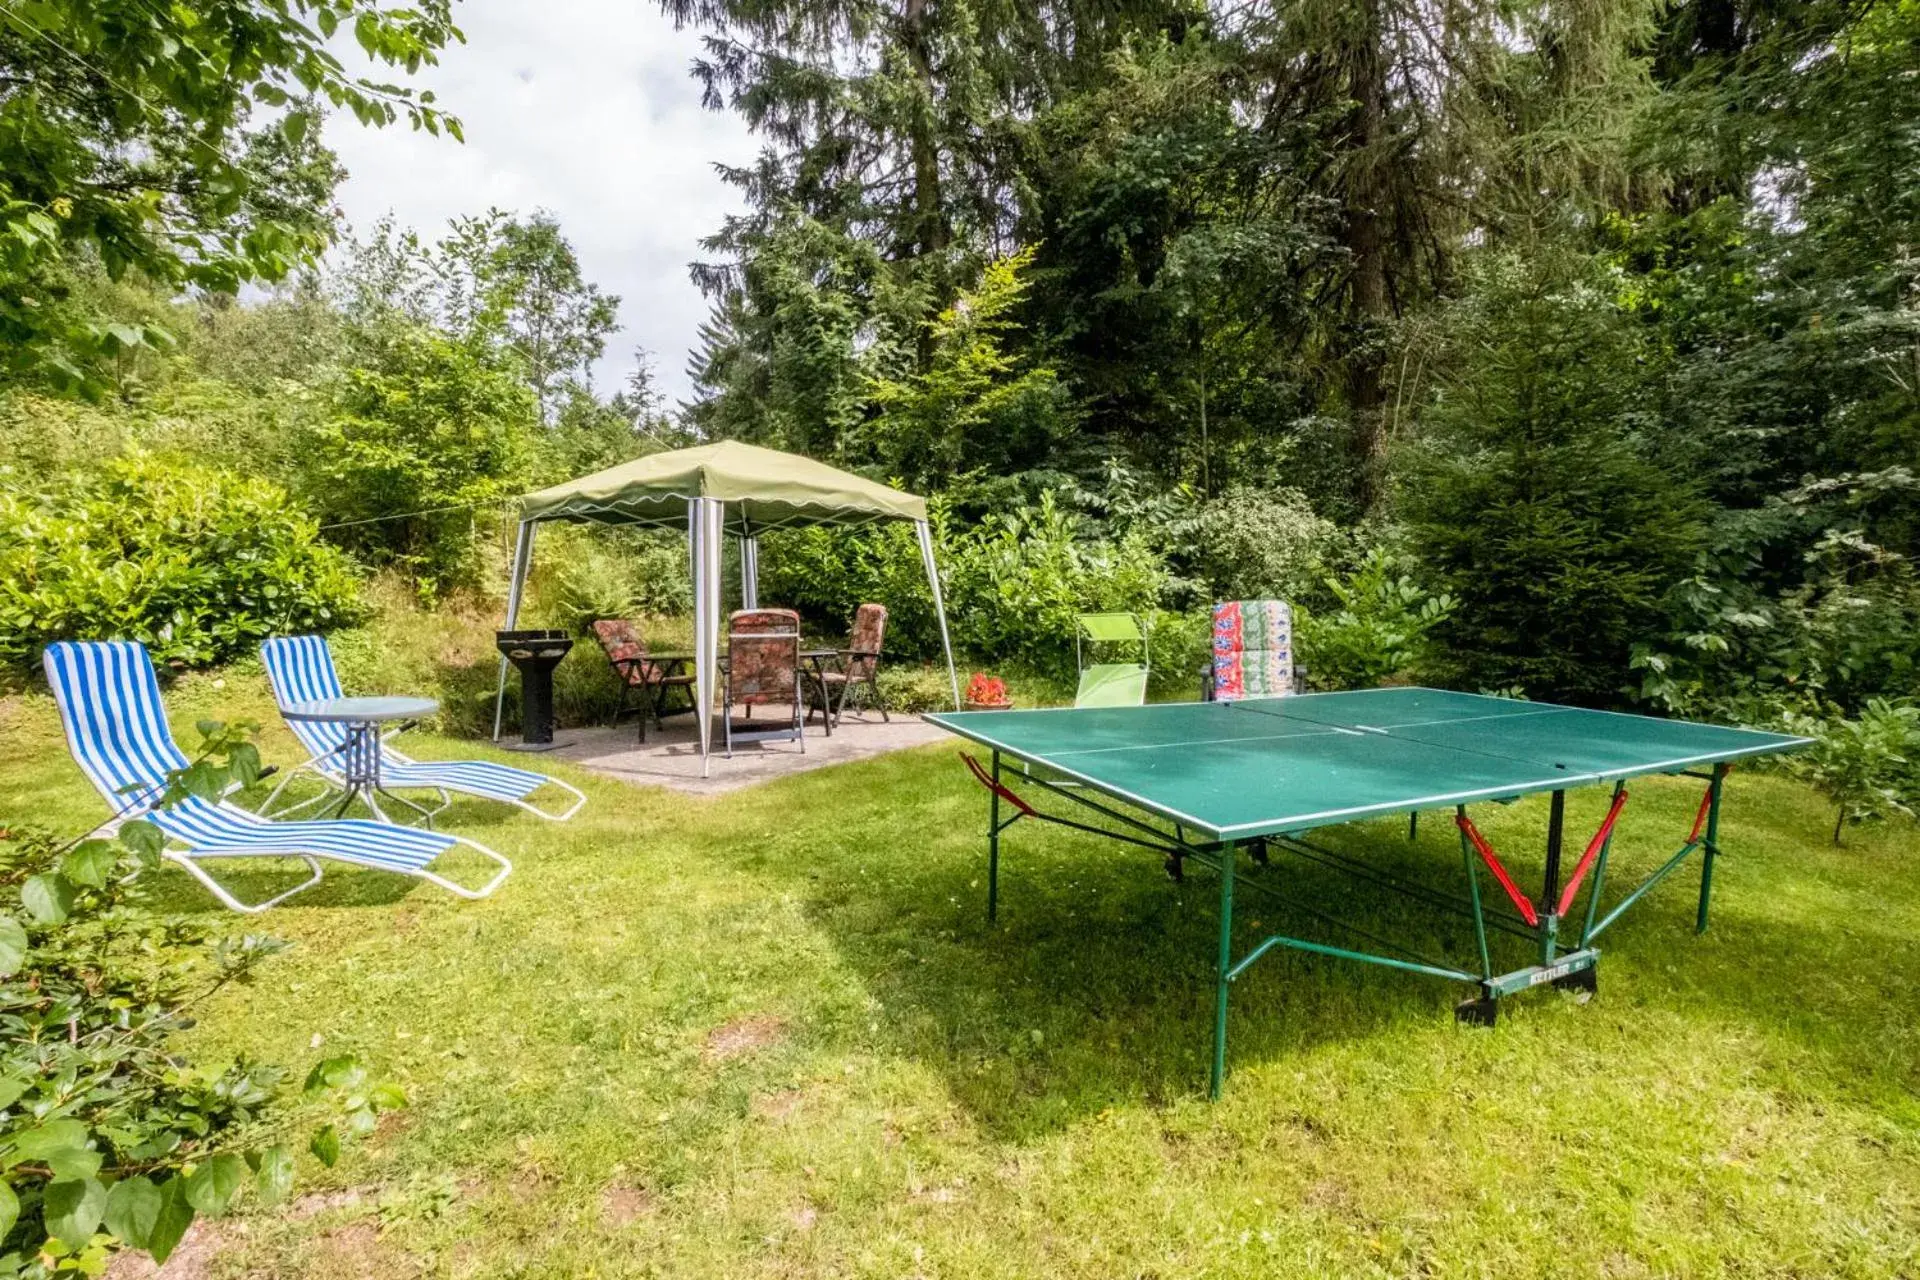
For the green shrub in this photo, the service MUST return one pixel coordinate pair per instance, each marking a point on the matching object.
(427, 436)
(1017, 580)
(1868, 766)
(1182, 648)
(109, 1137)
(1734, 650)
(912, 689)
(594, 573)
(827, 573)
(198, 564)
(1382, 630)
(1263, 544)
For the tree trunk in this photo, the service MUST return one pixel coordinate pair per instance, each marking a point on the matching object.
(930, 232)
(930, 235)
(1365, 242)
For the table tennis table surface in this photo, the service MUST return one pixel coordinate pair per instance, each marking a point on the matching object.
(1263, 766)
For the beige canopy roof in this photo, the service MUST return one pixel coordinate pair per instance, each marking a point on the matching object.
(758, 489)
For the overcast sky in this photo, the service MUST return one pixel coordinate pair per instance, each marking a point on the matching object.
(586, 108)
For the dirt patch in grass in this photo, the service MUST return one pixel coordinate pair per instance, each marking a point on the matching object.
(744, 1035)
(781, 1104)
(352, 1250)
(315, 1203)
(192, 1260)
(622, 1206)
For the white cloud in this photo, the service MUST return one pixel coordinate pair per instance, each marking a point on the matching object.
(586, 108)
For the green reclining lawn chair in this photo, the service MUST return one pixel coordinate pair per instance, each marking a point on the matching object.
(1110, 684)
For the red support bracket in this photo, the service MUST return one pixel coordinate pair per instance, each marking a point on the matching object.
(1706, 802)
(987, 781)
(1487, 855)
(1593, 851)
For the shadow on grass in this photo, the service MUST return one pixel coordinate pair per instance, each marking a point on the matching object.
(172, 890)
(1095, 988)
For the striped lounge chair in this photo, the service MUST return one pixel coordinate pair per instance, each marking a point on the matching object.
(300, 669)
(117, 730)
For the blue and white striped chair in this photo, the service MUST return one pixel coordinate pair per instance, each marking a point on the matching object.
(300, 669)
(117, 730)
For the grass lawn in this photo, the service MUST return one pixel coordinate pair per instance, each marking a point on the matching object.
(772, 1034)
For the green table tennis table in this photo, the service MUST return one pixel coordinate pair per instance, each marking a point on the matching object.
(1205, 782)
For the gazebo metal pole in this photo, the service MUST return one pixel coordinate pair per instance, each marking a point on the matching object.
(749, 566)
(522, 561)
(705, 531)
(925, 534)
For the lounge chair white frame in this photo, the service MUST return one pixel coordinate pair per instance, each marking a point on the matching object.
(300, 669)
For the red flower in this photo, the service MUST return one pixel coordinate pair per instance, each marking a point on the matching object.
(986, 689)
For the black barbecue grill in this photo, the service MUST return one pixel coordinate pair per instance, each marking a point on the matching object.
(535, 653)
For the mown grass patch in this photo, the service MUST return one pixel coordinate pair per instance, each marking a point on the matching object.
(771, 1034)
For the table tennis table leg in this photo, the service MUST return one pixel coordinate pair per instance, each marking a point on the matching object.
(1710, 846)
(993, 844)
(1550, 893)
(1223, 974)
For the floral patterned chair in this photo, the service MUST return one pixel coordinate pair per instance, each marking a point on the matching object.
(645, 682)
(763, 668)
(1252, 651)
(859, 666)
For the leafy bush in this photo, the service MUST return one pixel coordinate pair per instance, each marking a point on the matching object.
(827, 573)
(1261, 544)
(427, 435)
(1868, 766)
(1734, 650)
(1247, 544)
(1382, 629)
(198, 564)
(1017, 580)
(1538, 504)
(912, 689)
(109, 1139)
(613, 573)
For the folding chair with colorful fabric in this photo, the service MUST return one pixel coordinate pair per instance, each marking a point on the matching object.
(300, 669)
(763, 668)
(117, 730)
(650, 678)
(1252, 651)
(859, 671)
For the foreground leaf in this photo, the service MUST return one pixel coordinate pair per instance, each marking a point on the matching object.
(47, 898)
(91, 864)
(325, 1145)
(133, 1206)
(275, 1178)
(13, 945)
(73, 1208)
(212, 1186)
(171, 1223)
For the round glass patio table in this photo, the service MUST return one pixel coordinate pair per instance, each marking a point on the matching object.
(358, 755)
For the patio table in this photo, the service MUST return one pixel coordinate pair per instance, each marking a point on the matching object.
(360, 753)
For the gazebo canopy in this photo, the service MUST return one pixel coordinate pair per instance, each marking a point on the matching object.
(757, 488)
